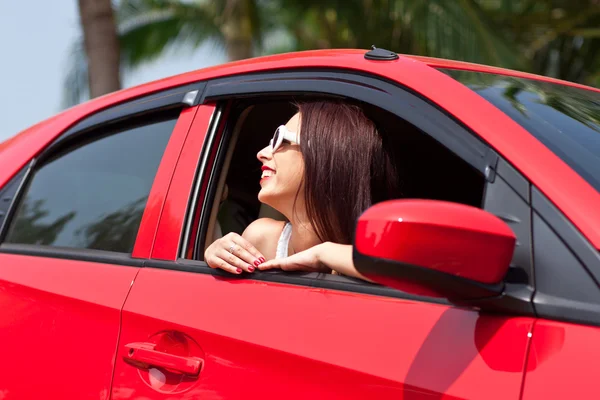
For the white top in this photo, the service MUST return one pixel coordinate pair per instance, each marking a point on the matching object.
(284, 241)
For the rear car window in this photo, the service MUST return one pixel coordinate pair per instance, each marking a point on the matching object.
(564, 118)
(92, 196)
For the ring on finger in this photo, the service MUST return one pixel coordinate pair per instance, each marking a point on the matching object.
(232, 248)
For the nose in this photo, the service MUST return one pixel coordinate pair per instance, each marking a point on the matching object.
(264, 154)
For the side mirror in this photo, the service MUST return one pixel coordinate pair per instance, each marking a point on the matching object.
(434, 248)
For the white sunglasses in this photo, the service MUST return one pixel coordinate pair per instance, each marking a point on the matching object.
(282, 133)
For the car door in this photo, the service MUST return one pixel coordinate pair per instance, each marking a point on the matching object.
(189, 331)
(75, 223)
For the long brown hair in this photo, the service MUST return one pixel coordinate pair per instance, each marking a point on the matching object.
(347, 168)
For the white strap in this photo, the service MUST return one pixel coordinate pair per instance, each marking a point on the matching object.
(284, 240)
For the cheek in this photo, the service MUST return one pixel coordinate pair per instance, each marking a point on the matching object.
(295, 173)
(290, 172)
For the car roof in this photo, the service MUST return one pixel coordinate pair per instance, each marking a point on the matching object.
(294, 60)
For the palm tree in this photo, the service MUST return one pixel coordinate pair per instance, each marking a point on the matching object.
(101, 46)
(451, 29)
(146, 28)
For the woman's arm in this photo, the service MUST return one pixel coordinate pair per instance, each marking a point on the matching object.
(338, 257)
(320, 258)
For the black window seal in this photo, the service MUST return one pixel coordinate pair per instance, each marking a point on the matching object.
(193, 210)
(515, 300)
(371, 89)
(12, 207)
(179, 97)
(67, 253)
(305, 279)
(213, 178)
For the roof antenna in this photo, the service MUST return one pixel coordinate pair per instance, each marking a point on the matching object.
(380, 54)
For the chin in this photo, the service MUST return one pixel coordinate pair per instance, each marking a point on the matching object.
(265, 198)
(270, 199)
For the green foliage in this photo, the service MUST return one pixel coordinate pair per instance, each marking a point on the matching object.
(553, 37)
(438, 28)
(558, 38)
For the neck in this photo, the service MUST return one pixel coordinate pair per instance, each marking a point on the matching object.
(303, 233)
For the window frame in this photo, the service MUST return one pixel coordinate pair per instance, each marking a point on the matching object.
(423, 113)
(121, 116)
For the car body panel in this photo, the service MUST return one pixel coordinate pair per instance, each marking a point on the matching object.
(145, 239)
(562, 361)
(59, 326)
(171, 224)
(283, 341)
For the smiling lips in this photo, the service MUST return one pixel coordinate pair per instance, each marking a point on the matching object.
(266, 172)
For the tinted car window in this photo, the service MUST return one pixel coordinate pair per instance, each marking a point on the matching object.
(92, 196)
(565, 119)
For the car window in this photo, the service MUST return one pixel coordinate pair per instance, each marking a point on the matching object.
(564, 118)
(92, 196)
(419, 159)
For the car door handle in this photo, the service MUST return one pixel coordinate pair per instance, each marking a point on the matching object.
(145, 355)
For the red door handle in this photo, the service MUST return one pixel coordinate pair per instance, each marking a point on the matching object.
(145, 355)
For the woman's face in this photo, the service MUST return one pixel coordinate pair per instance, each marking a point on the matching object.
(282, 171)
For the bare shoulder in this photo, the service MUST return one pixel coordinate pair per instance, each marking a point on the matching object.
(263, 234)
(263, 228)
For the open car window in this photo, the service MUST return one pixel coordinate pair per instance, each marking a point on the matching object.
(427, 169)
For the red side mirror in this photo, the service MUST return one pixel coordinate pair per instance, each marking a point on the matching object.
(437, 248)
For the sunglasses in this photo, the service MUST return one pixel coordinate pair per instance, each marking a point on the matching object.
(282, 133)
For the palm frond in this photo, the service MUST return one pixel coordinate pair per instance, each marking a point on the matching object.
(148, 28)
(75, 82)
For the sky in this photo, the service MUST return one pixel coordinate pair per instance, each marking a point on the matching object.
(35, 38)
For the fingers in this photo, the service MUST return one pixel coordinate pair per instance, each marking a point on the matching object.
(248, 249)
(225, 266)
(243, 254)
(234, 254)
(280, 263)
(234, 262)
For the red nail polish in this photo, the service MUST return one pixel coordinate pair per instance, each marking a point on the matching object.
(256, 263)
(262, 259)
(251, 269)
(239, 270)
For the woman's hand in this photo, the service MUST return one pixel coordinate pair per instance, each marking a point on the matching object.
(234, 254)
(307, 260)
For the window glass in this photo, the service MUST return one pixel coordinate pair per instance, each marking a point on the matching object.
(92, 196)
(566, 119)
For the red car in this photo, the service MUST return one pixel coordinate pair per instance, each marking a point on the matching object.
(487, 274)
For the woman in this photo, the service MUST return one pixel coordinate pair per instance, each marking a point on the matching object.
(321, 171)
